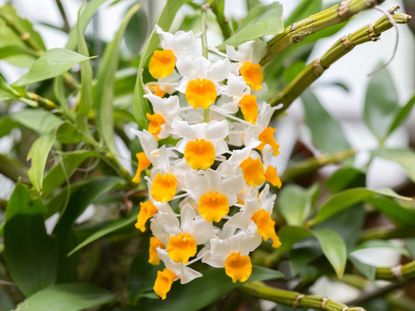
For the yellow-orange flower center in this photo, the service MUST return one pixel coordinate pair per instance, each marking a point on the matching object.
(147, 210)
(153, 257)
(213, 206)
(266, 227)
(155, 122)
(252, 74)
(271, 176)
(163, 282)
(200, 93)
(249, 107)
(162, 64)
(181, 247)
(267, 138)
(238, 267)
(156, 89)
(143, 164)
(199, 154)
(253, 171)
(164, 187)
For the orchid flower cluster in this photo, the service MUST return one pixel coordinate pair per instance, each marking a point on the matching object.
(209, 190)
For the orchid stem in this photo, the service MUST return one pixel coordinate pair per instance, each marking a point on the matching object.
(343, 46)
(294, 299)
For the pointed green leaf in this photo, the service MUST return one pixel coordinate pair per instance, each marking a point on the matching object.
(50, 65)
(30, 254)
(63, 170)
(261, 21)
(333, 248)
(382, 103)
(345, 199)
(40, 121)
(67, 297)
(106, 230)
(294, 203)
(38, 154)
(326, 133)
(402, 115)
(105, 84)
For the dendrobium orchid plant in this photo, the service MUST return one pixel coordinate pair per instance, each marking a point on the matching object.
(209, 194)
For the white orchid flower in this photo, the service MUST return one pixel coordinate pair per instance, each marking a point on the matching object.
(173, 271)
(200, 82)
(213, 193)
(182, 237)
(260, 134)
(232, 253)
(201, 143)
(165, 111)
(163, 62)
(248, 56)
(257, 210)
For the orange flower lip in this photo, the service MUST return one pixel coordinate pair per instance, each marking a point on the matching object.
(162, 63)
(201, 93)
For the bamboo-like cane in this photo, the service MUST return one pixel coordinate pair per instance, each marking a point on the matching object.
(343, 46)
(314, 23)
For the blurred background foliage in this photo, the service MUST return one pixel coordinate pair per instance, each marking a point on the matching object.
(68, 204)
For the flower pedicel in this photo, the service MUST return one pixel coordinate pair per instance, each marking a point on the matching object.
(209, 191)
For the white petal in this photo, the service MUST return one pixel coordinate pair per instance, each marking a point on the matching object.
(166, 38)
(220, 70)
(217, 130)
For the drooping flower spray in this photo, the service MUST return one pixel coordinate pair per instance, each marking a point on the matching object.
(209, 194)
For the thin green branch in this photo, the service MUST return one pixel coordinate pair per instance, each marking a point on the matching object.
(387, 234)
(313, 164)
(343, 46)
(294, 299)
(397, 273)
(221, 19)
(12, 169)
(314, 23)
(62, 11)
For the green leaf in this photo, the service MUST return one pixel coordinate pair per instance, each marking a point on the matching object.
(345, 199)
(394, 211)
(83, 20)
(38, 154)
(106, 230)
(83, 194)
(381, 104)
(402, 115)
(85, 96)
(333, 248)
(260, 21)
(136, 32)
(30, 254)
(291, 235)
(203, 291)
(7, 124)
(140, 105)
(404, 157)
(13, 50)
(141, 276)
(67, 297)
(63, 170)
(326, 133)
(50, 65)
(365, 269)
(8, 36)
(304, 9)
(38, 120)
(105, 83)
(345, 177)
(410, 245)
(294, 203)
